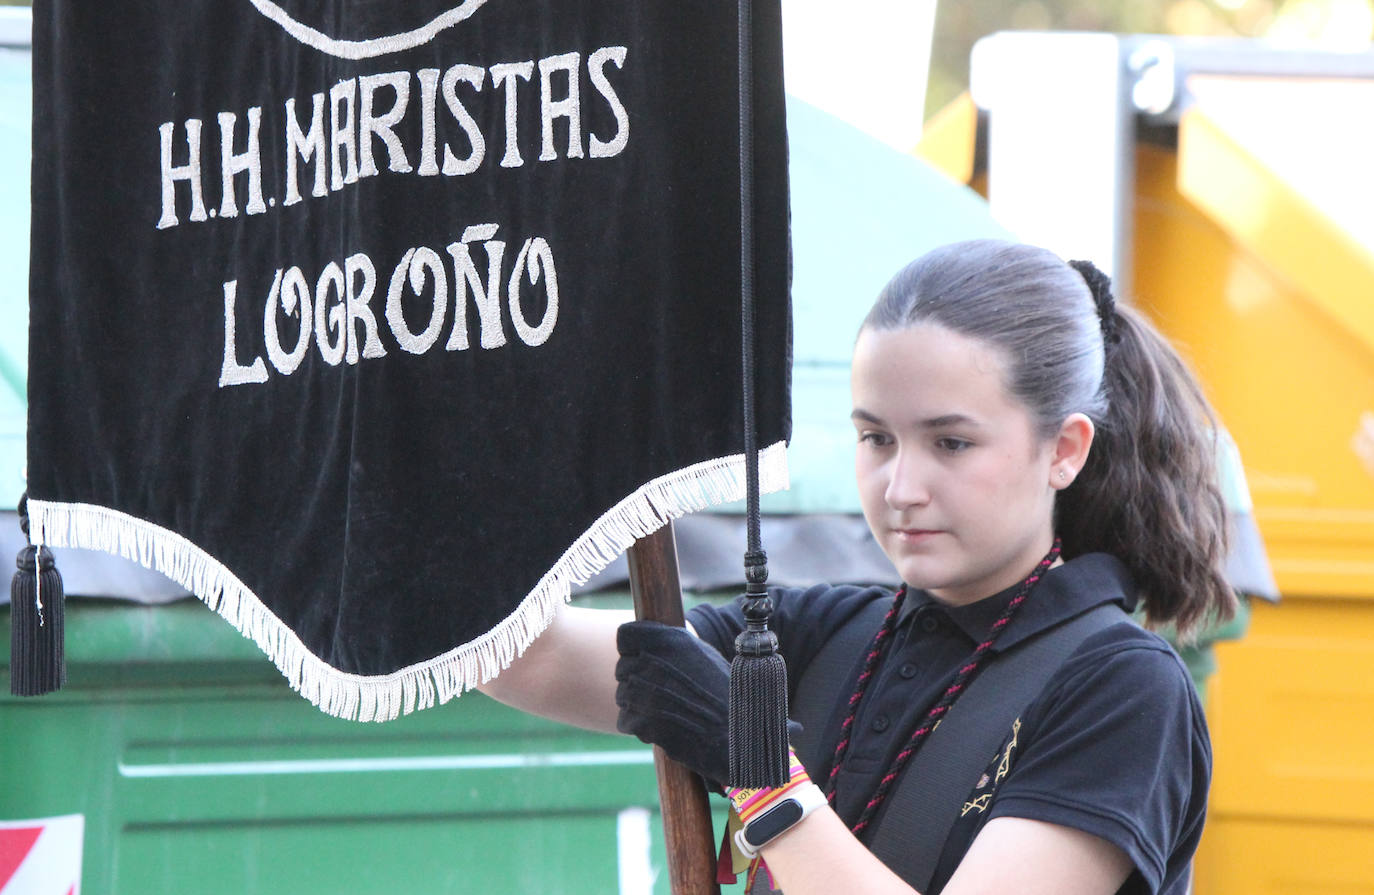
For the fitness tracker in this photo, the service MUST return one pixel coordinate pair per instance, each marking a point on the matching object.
(779, 817)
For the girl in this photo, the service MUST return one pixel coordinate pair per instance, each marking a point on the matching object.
(1027, 452)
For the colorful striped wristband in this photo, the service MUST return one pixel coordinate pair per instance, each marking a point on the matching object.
(768, 813)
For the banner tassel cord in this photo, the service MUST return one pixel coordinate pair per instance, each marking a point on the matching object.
(758, 675)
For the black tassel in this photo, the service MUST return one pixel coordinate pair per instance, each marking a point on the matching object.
(758, 691)
(37, 662)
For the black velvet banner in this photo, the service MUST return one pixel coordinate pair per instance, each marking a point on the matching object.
(378, 325)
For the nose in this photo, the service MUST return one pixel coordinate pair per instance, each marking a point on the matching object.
(907, 484)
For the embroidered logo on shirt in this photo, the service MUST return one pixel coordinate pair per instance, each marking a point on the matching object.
(1005, 764)
(981, 802)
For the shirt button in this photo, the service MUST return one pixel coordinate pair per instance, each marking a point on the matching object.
(907, 671)
(930, 624)
(881, 723)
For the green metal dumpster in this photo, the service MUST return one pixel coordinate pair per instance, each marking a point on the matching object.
(197, 770)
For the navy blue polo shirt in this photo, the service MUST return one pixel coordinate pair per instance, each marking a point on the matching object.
(1115, 745)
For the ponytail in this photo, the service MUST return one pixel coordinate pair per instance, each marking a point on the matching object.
(1149, 493)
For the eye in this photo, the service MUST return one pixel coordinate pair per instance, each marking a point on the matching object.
(950, 445)
(874, 439)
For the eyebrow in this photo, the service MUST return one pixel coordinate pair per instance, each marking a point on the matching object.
(935, 422)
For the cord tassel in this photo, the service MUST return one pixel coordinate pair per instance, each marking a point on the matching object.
(758, 692)
(37, 652)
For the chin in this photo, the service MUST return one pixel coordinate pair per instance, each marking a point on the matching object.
(923, 574)
(948, 585)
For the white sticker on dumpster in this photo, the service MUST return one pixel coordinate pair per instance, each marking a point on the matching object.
(41, 857)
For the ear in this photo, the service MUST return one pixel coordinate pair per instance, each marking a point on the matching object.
(1070, 450)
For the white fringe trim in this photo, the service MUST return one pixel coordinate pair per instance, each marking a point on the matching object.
(436, 681)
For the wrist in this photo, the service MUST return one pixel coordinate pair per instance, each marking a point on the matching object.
(768, 813)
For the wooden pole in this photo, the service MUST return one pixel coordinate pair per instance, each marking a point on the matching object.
(657, 592)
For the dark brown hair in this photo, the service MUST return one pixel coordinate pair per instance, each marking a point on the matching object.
(1149, 493)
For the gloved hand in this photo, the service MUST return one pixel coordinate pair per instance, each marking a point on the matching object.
(674, 691)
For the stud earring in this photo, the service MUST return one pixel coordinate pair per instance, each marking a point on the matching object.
(1063, 475)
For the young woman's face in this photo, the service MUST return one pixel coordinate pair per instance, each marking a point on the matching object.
(953, 480)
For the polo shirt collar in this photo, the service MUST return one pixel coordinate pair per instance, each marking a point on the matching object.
(1065, 591)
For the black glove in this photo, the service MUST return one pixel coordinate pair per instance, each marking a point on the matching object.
(674, 692)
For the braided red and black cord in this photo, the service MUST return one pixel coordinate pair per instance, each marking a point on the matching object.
(928, 723)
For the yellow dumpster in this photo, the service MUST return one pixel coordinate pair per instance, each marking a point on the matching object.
(1248, 255)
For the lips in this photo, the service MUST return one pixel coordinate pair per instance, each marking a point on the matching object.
(915, 534)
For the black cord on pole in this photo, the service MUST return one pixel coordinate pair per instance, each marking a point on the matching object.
(758, 676)
(746, 272)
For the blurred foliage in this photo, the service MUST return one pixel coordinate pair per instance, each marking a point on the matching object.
(1339, 24)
